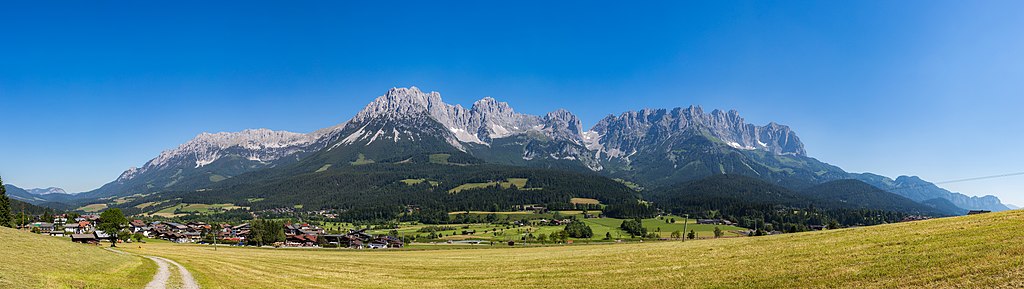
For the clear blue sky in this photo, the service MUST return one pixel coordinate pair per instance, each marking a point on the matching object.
(928, 88)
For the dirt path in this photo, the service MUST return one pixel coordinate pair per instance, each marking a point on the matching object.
(163, 275)
(161, 280)
(187, 282)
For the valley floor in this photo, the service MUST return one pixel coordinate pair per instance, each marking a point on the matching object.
(977, 251)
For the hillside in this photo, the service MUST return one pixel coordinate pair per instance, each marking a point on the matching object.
(37, 261)
(980, 251)
(30, 209)
(922, 191)
(857, 194)
(382, 190)
(754, 202)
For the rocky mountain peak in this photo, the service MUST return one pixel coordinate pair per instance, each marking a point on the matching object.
(489, 105)
(562, 124)
(634, 130)
(46, 191)
(259, 145)
(402, 102)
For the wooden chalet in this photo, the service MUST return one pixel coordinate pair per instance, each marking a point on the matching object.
(84, 238)
(359, 239)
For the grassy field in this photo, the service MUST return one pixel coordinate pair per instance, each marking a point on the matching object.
(37, 261)
(361, 160)
(585, 201)
(323, 168)
(629, 184)
(440, 158)
(126, 199)
(184, 209)
(410, 182)
(216, 178)
(980, 251)
(92, 208)
(600, 227)
(518, 182)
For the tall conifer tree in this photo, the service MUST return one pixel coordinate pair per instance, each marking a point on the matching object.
(5, 206)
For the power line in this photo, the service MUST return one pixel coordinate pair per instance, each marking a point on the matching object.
(958, 181)
(981, 178)
(925, 184)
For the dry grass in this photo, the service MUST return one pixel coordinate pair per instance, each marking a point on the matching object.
(488, 213)
(585, 201)
(93, 208)
(186, 209)
(37, 261)
(975, 251)
(520, 183)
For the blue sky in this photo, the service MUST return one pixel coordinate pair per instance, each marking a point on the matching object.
(928, 88)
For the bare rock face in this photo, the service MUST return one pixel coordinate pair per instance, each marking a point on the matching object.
(487, 119)
(563, 125)
(259, 145)
(633, 131)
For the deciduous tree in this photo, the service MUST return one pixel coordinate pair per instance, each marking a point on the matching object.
(112, 221)
(634, 227)
(578, 229)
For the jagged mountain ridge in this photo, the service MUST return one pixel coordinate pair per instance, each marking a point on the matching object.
(632, 131)
(46, 191)
(920, 190)
(211, 157)
(655, 146)
(485, 120)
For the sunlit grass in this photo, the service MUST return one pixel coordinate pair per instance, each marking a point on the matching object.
(38, 261)
(976, 251)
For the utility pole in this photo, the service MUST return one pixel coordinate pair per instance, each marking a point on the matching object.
(686, 218)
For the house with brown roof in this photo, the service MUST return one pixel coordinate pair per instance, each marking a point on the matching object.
(136, 226)
(84, 238)
(81, 227)
(301, 240)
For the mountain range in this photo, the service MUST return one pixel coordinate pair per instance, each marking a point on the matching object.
(649, 149)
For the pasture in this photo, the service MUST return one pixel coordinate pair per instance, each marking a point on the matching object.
(520, 183)
(92, 208)
(185, 209)
(38, 261)
(975, 251)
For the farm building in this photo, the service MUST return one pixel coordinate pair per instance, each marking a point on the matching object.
(84, 238)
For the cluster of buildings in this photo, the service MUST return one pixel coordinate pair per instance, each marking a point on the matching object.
(359, 239)
(296, 235)
(82, 229)
(61, 226)
(543, 222)
(912, 218)
(192, 232)
(714, 222)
